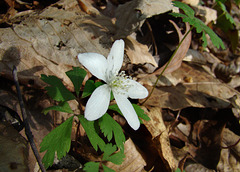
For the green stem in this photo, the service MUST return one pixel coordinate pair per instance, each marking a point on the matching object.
(180, 43)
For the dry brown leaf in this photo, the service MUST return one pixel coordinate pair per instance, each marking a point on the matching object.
(160, 137)
(48, 43)
(13, 150)
(131, 15)
(133, 160)
(195, 57)
(180, 54)
(229, 160)
(138, 53)
(207, 14)
(203, 91)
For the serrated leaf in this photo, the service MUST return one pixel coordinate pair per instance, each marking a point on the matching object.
(58, 140)
(91, 167)
(77, 76)
(109, 127)
(226, 13)
(204, 39)
(91, 133)
(187, 10)
(57, 91)
(198, 24)
(109, 149)
(107, 169)
(109, 155)
(117, 158)
(140, 112)
(62, 107)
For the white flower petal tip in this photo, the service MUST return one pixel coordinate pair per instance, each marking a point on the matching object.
(127, 110)
(95, 63)
(135, 125)
(115, 57)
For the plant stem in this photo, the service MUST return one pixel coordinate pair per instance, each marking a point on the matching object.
(180, 43)
(25, 121)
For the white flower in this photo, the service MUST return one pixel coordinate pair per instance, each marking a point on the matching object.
(121, 85)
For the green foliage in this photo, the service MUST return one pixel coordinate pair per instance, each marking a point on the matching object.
(90, 86)
(107, 169)
(109, 155)
(57, 141)
(140, 113)
(137, 108)
(91, 167)
(225, 12)
(91, 132)
(77, 76)
(62, 107)
(57, 91)
(198, 24)
(109, 127)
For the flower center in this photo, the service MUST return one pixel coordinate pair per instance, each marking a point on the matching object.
(120, 82)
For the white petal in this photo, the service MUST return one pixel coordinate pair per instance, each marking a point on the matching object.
(136, 91)
(127, 110)
(95, 63)
(98, 103)
(115, 57)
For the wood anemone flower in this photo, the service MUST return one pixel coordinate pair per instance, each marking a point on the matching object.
(121, 85)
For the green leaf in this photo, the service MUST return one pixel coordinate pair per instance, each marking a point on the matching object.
(91, 133)
(77, 76)
(109, 127)
(57, 141)
(115, 108)
(137, 108)
(57, 91)
(109, 155)
(107, 169)
(226, 13)
(140, 113)
(62, 107)
(198, 24)
(88, 88)
(187, 10)
(117, 158)
(91, 167)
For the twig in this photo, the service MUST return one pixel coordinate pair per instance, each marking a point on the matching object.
(231, 146)
(151, 33)
(25, 121)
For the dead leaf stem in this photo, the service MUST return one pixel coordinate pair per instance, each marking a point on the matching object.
(154, 42)
(168, 63)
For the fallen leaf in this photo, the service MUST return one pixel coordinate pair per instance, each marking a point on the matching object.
(138, 53)
(14, 149)
(133, 160)
(181, 52)
(160, 137)
(203, 91)
(48, 43)
(131, 15)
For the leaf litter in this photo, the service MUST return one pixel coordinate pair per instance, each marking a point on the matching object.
(187, 109)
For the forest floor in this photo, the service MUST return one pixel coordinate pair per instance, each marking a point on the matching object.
(193, 110)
